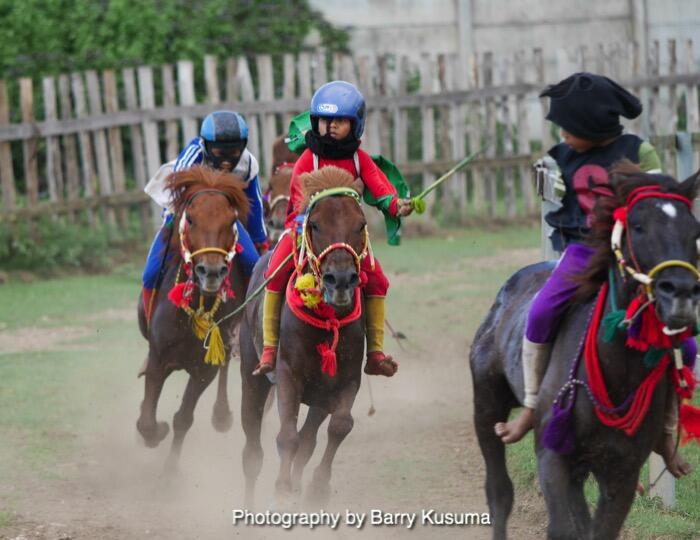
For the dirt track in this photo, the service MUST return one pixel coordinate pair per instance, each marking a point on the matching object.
(417, 452)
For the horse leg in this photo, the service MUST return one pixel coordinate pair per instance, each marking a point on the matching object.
(288, 400)
(183, 418)
(152, 431)
(338, 428)
(492, 404)
(617, 491)
(307, 443)
(253, 397)
(568, 516)
(221, 417)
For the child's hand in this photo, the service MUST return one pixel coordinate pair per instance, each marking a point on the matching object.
(404, 207)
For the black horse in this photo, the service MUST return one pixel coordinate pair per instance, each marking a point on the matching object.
(658, 230)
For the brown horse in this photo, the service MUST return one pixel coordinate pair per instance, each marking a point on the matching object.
(331, 221)
(208, 206)
(661, 237)
(277, 195)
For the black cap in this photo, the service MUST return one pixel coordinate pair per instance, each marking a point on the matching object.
(589, 106)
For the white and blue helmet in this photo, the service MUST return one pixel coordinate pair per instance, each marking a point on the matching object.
(339, 99)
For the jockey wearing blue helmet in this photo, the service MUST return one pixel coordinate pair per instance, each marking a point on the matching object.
(221, 144)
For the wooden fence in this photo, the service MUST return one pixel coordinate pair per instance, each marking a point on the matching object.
(83, 145)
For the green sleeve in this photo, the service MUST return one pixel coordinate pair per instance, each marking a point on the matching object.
(648, 158)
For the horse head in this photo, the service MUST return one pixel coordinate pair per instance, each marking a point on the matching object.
(335, 232)
(208, 205)
(277, 200)
(648, 230)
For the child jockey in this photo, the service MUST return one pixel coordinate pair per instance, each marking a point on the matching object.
(337, 120)
(587, 108)
(221, 145)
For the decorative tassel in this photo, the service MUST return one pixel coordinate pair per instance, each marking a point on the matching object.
(683, 382)
(329, 364)
(308, 291)
(689, 419)
(559, 435)
(653, 356)
(216, 353)
(612, 323)
(176, 294)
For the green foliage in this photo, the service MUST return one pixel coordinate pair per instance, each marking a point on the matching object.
(42, 37)
(50, 245)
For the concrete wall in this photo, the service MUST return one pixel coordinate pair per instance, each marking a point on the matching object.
(503, 26)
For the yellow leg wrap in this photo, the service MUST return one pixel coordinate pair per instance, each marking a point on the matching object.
(272, 305)
(375, 323)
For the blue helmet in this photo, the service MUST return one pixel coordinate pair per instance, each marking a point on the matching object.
(339, 99)
(227, 132)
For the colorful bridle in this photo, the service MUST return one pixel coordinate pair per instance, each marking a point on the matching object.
(306, 254)
(620, 215)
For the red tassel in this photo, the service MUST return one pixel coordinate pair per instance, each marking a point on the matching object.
(620, 214)
(239, 248)
(686, 375)
(176, 294)
(329, 364)
(690, 423)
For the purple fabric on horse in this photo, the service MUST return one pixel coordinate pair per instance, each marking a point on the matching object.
(550, 303)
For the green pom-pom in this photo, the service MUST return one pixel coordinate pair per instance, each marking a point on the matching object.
(653, 357)
(612, 322)
(419, 205)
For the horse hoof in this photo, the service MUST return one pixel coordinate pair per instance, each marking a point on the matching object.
(222, 420)
(153, 434)
(318, 494)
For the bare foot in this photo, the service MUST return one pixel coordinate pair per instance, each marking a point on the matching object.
(513, 431)
(675, 463)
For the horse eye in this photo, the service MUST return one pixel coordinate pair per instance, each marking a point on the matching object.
(638, 228)
(189, 219)
(362, 228)
(314, 225)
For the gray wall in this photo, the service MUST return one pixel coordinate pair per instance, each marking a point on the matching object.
(413, 27)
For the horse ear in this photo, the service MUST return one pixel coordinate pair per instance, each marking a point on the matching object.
(691, 185)
(359, 186)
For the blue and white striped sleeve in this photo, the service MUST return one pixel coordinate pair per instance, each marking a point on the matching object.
(256, 219)
(191, 155)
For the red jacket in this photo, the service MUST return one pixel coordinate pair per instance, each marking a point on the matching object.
(374, 179)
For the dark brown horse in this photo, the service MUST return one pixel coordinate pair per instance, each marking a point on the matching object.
(208, 204)
(658, 230)
(332, 220)
(277, 194)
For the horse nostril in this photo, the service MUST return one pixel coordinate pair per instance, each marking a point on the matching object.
(223, 270)
(696, 291)
(354, 280)
(667, 287)
(329, 279)
(200, 270)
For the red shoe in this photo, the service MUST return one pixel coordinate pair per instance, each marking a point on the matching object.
(267, 360)
(380, 364)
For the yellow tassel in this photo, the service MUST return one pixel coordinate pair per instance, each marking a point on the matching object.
(216, 354)
(305, 281)
(308, 291)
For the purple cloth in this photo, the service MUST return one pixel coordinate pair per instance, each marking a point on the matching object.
(690, 351)
(550, 303)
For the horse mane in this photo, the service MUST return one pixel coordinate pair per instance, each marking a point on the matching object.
(625, 177)
(184, 184)
(323, 178)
